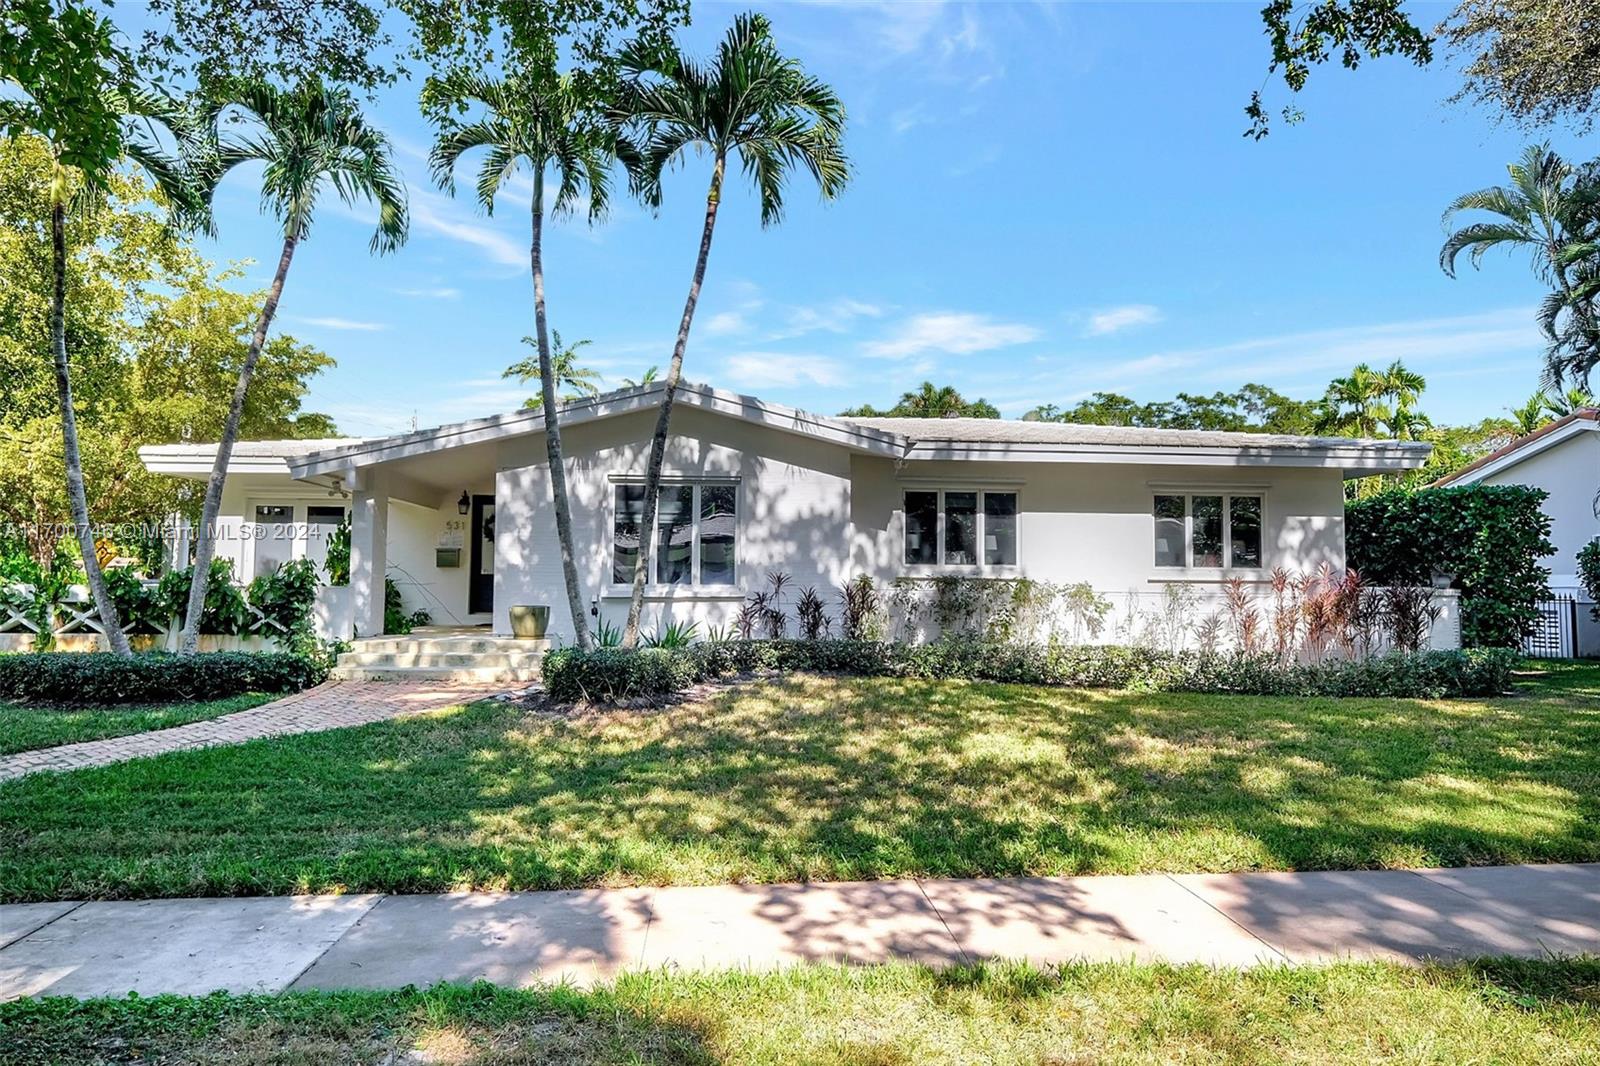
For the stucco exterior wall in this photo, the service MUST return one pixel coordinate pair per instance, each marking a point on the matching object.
(823, 515)
(413, 531)
(793, 513)
(1570, 473)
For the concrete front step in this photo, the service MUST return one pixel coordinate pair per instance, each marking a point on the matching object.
(463, 657)
(474, 675)
(444, 660)
(454, 645)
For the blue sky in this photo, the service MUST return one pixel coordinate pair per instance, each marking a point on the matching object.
(1048, 200)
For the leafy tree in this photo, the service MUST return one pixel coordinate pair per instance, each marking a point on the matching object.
(1354, 30)
(929, 401)
(544, 122)
(1551, 211)
(1252, 408)
(750, 102)
(650, 374)
(580, 381)
(1536, 61)
(76, 90)
(353, 42)
(157, 338)
(309, 138)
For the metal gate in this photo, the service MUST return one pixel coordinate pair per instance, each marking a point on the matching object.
(1555, 634)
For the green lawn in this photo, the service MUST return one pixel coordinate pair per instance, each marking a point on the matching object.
(1542, 1013)
(830, 779)
(27, 728)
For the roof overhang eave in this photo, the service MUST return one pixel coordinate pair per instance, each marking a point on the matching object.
(589, 409)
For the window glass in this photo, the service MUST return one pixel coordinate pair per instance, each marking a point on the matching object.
(675, 535)
(961, 528)
(922, 528)
(1207, 516)
(274, 537)
(1244, 528)
(1000, 529)
(717, 523)
(625, 534)
(1169, 531)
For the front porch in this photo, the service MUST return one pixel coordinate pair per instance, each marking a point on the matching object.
(460, 654)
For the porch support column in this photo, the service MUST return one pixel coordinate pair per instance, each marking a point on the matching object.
(369, 549)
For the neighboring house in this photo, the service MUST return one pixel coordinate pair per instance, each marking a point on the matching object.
(460, 517)
(1563, 459)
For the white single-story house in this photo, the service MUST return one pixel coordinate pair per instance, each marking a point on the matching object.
(1563, 459)
(460, 516)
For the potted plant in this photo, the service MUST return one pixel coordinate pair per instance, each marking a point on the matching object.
(529, 621)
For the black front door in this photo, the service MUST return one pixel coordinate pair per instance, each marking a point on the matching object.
(480, 588)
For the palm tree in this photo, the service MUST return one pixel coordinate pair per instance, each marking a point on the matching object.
(310, 137)
(580, 380)
(1549, 212)
(540, 120)
(1531, 415)
(1561, 404)
(1353, 405)
(145, 117)
(749, 101)
(650, 374)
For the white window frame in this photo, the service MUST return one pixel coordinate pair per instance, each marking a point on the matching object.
(653, 584)
(1228, 495)
(940, 566)
(299, 528)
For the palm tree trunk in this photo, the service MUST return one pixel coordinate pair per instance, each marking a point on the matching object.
(552, 427)
(206, 536)
(658, 443)
(104, 605)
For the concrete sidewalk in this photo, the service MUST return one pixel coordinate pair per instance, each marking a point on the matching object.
(267, 944)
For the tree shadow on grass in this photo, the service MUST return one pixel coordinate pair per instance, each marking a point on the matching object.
(824, 779)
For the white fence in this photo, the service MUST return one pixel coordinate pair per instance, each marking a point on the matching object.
(76, 624)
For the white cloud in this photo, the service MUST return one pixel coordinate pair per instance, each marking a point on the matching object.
(953, 332)
(1117, 319)
(758, 370)
(442, 216)
(344, 324)
(835, 317)
(725, 322)
(1420, 343)
(443, 292)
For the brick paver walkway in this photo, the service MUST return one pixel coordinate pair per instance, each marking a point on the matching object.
(333, 705)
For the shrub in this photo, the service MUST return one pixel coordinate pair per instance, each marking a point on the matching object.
(337, 560)
(285, 597)
(610, 674)
(1490, 536)
(224, 612)
(1589, 573)
(395, 619)
(137, 606)
(101, 678)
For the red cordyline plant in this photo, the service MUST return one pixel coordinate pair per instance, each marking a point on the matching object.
(1317, 608)
(1286, 591)
(1245, 618)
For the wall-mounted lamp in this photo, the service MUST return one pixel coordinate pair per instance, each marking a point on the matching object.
(464, 504)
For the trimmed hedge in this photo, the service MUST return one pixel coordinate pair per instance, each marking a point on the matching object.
(1490, 536)
(610, 675)
(92, 679)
